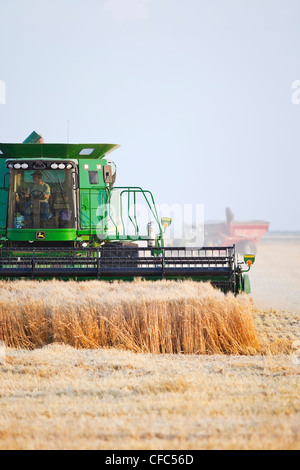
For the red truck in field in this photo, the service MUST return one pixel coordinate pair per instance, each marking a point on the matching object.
(244, 235)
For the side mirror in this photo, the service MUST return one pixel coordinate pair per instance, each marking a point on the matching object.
(166, 222)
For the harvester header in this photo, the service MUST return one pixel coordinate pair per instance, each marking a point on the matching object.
(61, 216)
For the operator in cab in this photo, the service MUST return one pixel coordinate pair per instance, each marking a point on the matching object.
(38, 190)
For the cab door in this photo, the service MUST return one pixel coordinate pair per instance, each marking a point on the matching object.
(92, 208)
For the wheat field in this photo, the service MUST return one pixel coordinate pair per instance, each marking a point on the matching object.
(173, 366)
(58, 397)
(154, 317)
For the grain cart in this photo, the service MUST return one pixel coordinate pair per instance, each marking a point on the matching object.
(243, 234)
(61, 216)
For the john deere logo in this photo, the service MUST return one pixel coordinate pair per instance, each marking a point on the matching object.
(40, 235)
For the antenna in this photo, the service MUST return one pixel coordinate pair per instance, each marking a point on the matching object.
(68, 131)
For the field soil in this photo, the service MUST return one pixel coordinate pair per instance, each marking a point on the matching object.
(275, 276)
(59, 397)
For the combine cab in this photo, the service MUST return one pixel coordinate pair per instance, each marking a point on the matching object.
(61, 216)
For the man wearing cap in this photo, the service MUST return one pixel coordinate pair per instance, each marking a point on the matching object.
(38, 190)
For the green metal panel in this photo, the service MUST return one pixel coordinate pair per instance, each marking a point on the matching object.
(85, 166)
(73, 151)
(91, 207)
(50, 234)
(92, 196)
(246, 287)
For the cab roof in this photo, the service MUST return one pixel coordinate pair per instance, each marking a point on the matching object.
(61, 151)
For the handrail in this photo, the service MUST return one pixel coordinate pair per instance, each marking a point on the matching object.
(152, 207)
(5, 188)
(148, 196)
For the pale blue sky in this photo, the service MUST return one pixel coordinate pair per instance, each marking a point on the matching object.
(198, 93)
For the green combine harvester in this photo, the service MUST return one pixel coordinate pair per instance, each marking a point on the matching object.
(61, 216)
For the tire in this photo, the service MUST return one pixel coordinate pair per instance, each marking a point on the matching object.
(246, 284)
